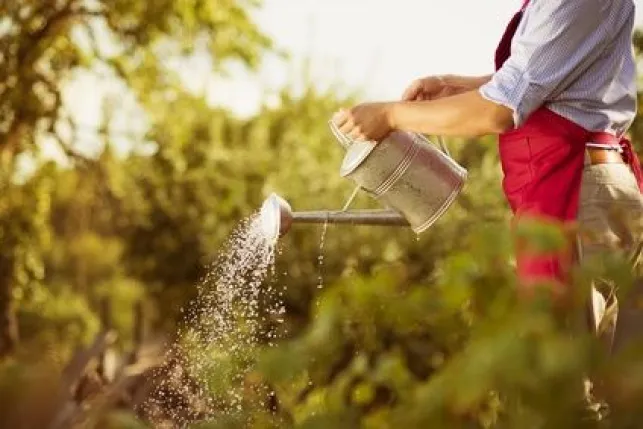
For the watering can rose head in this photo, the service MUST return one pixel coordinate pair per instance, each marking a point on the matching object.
(276, 217)
(366, 121)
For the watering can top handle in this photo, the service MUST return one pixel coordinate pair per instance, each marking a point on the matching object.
(346, 141)
(441, 144)
(341, 138)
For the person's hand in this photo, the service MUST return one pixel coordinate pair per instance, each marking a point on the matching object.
(431, 88)
(365, 122)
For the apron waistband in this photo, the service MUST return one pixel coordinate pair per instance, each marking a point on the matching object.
(605, 141)
(621, 144)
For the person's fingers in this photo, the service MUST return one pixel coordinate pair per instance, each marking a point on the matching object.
(347, 126)
(340, 117)
(448, 91)
(357, 135)
(412, 91)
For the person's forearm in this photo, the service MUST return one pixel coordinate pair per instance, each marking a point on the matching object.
(467, 114)
(468, 83)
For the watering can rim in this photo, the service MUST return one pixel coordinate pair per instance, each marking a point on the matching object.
(358, 150)
(355, 156)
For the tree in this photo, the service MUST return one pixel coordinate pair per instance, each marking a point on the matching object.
(43, 43)
(24, 211)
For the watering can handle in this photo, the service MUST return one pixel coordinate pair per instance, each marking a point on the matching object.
(341, 138)
(443, 146)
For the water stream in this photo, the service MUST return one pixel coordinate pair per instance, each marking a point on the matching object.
(235, 313)
(320, 257)
(351, 198)
(322, 240)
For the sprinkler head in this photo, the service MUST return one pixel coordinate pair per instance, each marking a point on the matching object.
(276, 217)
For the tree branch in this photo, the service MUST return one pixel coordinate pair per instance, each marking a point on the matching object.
(53, 25)
(71, 153)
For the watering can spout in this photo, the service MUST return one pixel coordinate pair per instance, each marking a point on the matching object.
(277, 217)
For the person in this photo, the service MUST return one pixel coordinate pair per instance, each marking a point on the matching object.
(561, 99)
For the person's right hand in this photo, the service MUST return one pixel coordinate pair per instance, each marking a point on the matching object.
(431, 88)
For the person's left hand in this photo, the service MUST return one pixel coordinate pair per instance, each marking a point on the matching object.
(365, 122)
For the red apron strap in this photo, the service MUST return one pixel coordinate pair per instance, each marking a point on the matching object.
(633, 160)
(628, 152)
(503, 51)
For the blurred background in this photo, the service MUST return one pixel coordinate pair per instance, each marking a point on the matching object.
(135, 136)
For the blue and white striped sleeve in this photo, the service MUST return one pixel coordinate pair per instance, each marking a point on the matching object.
(557, 41)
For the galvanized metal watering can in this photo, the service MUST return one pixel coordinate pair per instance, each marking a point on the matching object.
(405, 172)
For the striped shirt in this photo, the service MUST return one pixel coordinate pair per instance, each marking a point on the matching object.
(574, 57)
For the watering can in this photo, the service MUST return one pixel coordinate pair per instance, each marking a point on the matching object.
(406, 173)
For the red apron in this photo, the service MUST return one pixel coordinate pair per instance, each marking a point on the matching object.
(542, 162)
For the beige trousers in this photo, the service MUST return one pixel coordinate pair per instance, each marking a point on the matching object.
(611, 210)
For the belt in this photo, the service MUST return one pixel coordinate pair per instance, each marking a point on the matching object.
(604, 156)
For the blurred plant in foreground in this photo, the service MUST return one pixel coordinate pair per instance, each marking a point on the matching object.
(461, 352)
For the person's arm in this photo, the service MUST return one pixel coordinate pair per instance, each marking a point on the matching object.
(436, 87)
(467, 82)
(561, 38)
(466, 114)
(558, 43)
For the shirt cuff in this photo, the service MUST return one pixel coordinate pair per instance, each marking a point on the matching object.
(514, 91)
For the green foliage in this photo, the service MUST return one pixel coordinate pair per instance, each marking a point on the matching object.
(460, 352)
(43, 46)
(391, 330)
(67, 317)
(24, 387)
(121, 420)
(24, 211)
(636, 130)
